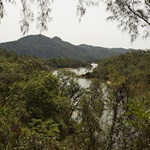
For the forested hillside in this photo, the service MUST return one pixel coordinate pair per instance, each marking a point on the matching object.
(66, 63)
(45, 47)
(39, 111)
(35, 110)
(127, 78)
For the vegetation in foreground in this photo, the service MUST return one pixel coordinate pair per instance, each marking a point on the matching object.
(39, 111)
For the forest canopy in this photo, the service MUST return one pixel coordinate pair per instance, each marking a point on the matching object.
(40, 111)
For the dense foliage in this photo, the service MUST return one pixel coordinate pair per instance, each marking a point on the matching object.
(33, 113)
(127, 80)
(66, 63)
(39, 111)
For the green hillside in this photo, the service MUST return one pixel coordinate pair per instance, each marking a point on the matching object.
(39, 111)
(45, 47)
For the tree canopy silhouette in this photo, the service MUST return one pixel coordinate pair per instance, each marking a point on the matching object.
(132, 16)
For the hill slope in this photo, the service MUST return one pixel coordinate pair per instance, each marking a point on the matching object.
(45, 47)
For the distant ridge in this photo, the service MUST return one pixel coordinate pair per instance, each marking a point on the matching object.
(45, 47)
(57, 39)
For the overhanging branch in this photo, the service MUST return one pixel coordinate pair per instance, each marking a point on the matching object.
(138, 15)
(131, 10)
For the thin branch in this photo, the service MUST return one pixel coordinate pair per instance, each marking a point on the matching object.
(134, 12)
(138, 15)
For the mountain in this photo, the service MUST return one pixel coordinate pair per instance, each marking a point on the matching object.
(45, 47)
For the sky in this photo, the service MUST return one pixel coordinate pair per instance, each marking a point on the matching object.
(93, 29)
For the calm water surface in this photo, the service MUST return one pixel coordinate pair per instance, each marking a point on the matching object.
(85, 83)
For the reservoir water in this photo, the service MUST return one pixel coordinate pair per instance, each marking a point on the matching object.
(85, 83)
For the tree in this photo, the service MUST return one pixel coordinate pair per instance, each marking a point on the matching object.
(127, 98)
(43, 8)
(40, 94)
(70, 88)
(132, 15)
(92, 107)
(33, 115)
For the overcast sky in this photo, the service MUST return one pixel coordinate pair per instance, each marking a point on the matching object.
(92, 30)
